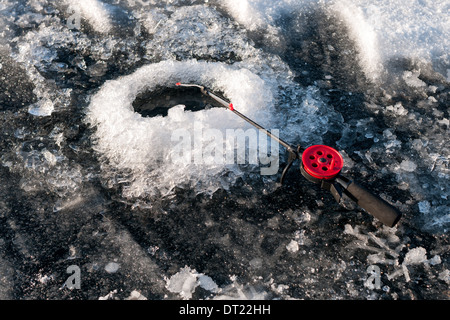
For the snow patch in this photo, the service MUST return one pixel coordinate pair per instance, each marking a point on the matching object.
(93, 11)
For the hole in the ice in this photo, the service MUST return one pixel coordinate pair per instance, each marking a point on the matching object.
(158, 101)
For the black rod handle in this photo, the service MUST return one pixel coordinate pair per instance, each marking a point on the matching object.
(373, 204)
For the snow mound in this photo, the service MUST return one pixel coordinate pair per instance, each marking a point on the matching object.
(143, 150)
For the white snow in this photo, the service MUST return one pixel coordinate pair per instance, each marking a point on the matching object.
(362, 33)
(95, 12)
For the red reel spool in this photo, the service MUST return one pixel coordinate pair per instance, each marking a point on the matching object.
(322, 162)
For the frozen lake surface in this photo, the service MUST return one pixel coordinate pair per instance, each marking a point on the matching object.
(89, 110)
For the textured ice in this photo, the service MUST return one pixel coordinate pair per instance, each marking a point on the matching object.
(382, 32)
(36, 57)
(412, 79)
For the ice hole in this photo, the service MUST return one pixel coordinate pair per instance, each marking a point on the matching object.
(158, 101)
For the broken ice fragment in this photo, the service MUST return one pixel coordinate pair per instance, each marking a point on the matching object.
(445, 276)
(424, 207)
(136, 295)
(207, 283)
(42, 108)
(112, 267)
(415, 256)
(412, 79)
(292, 246)
(183, 283)
(408, 165)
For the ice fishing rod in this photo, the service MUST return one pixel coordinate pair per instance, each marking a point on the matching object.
(322, 165)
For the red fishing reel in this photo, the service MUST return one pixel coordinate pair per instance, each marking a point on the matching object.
(321, 162)
(322, 165)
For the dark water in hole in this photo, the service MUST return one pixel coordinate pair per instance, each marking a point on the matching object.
(159, 100)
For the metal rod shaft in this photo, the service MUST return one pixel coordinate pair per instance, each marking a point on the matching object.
(229, 106)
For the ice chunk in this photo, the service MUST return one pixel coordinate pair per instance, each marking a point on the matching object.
(186, 280)
(424, 207)
(208, 283)
(136, 295)
(292, 246)
(415, 256)
(435, 260)
(42, 108)
(237, 291)
(112, 267)
(183, 282)
(108, 296)
(49, 157)
(408, 165)
(412, 79)
(445, 276)
(98, 69)
(397, 109)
